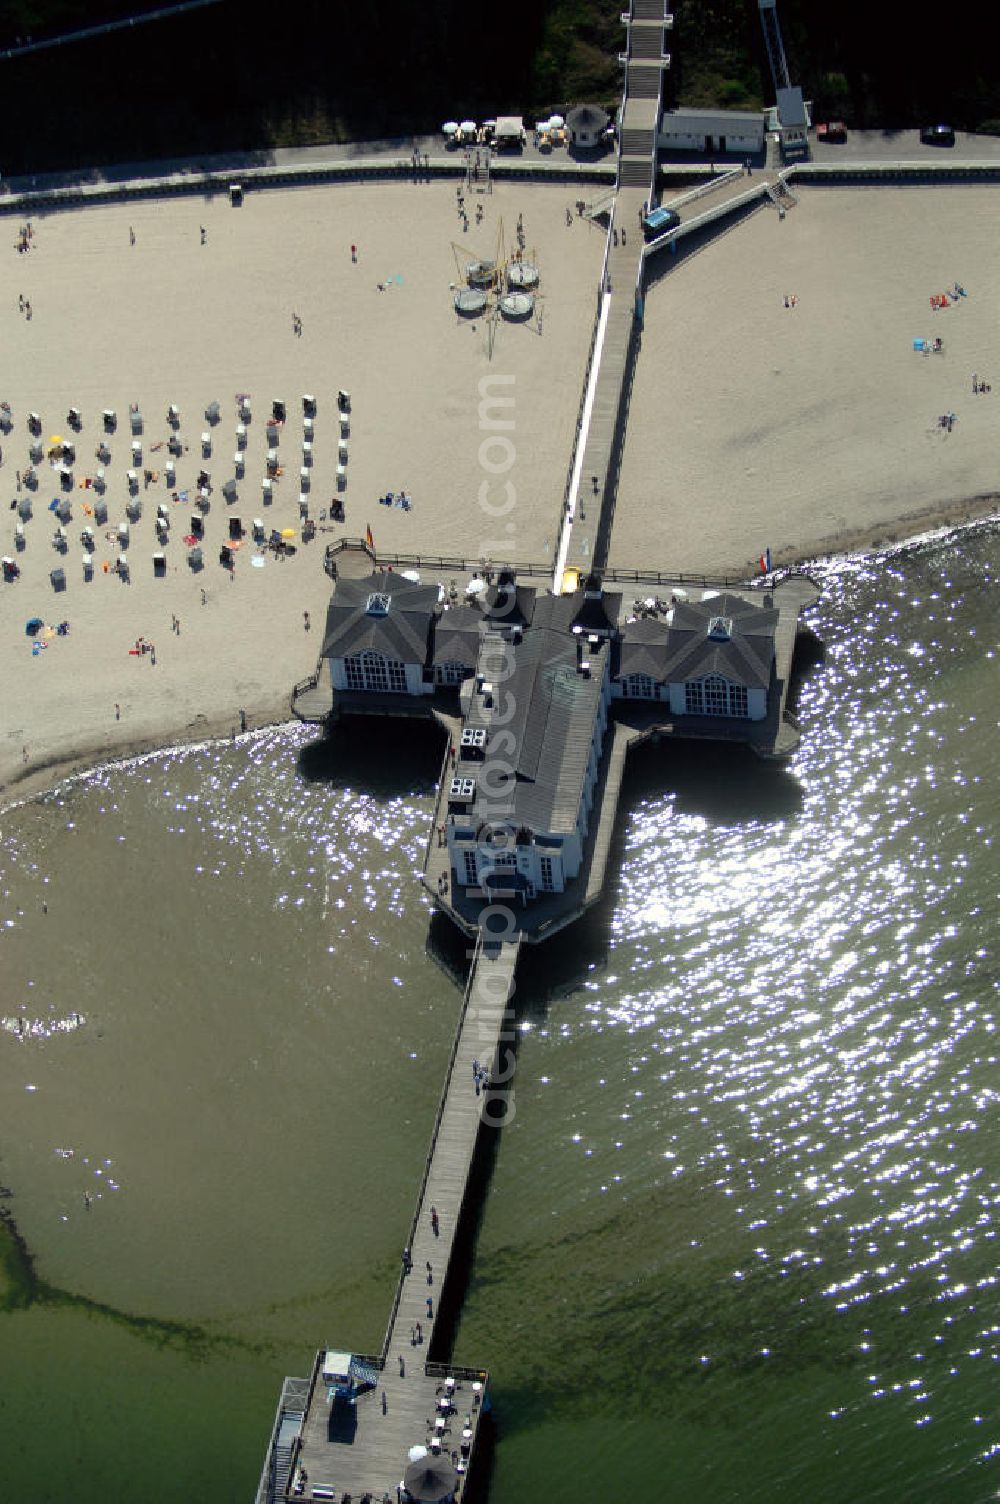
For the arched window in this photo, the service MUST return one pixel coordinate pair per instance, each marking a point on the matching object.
(450, 673)
(371, 671)
(715, 695)
(640, 687)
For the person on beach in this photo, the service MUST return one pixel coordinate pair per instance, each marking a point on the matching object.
(435, 1223)
(204, 234)
(131, 235)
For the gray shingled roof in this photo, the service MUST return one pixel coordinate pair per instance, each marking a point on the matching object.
(546, 702)
(457, 635)
(509, 604)
(744, 658)
(587, 117)
(402, 633)
(644, 649)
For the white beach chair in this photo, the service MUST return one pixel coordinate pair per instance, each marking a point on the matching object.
(122, 566)
(123, 535)
(136, 452)
(266, 491)
(206, 446)
(308, 428)
(307, 453)
(88, 566)
(239, 464)
(100, 483)
(241, 436)
(305, 478)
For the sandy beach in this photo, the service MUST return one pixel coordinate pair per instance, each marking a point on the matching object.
(178, 318)
(813, 428)
(810, 428)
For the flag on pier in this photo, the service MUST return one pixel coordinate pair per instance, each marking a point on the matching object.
(369, 539)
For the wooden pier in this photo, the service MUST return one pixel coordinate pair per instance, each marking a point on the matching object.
(353, 1446)
(328, 1449)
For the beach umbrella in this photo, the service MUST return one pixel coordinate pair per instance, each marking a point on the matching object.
(556, 122)
(416, 1453)
(411, 574)
(288, 532)
(679, 593)
(430, 1478)
(476, 587)
(55, 438)
(468, 127)
(450, 128)
(34, 625)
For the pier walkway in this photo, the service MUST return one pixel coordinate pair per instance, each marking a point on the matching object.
(327, 1448)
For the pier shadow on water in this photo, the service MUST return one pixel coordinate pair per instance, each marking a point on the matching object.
(386, 758)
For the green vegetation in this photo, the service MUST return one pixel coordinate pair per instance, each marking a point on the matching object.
(241, 77)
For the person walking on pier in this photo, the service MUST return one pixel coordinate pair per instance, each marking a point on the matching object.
(402, 1367)
(430, 1273)
(435, 1222)
(407, 1261)
(430, 1309)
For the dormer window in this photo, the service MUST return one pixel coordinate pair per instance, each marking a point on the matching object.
(378, 604)
(720, 628)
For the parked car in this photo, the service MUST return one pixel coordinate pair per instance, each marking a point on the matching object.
(833, 130)
(659, 221)
(938, 135)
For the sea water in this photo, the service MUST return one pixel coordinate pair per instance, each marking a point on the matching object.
(739, 1240)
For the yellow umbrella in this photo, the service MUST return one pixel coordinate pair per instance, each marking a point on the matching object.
(288, 532)
(55, 438)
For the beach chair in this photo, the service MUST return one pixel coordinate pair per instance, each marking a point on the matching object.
(341, 477)
(136, 452)
(345, 425)
(309, 405)
(74, 419)
(305, 478)
(241, 436)
(170, 472)
(110, 418)
(36, 453)
(19, 538)
(243, 408)
(174, 415)
(239, 465)
(159, 565)
(87, 538)
(195, 559)
(342, 452)
(266, 491)
(258, 529)
(100, 483)
(88, 566)
(24, 508)
(133, 481)
(34, 423)
(212, 413)
(123, 535)
(344, 401)
(307, 453)
(229, 490)
(135, 419)
(100, 511)
(58, 578)
(303, 506)
(60, 539)
(122, 566)
(308, 429)
(206, 446)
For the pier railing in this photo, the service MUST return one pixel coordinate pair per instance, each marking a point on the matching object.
(425, 561)
(414, 1221)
